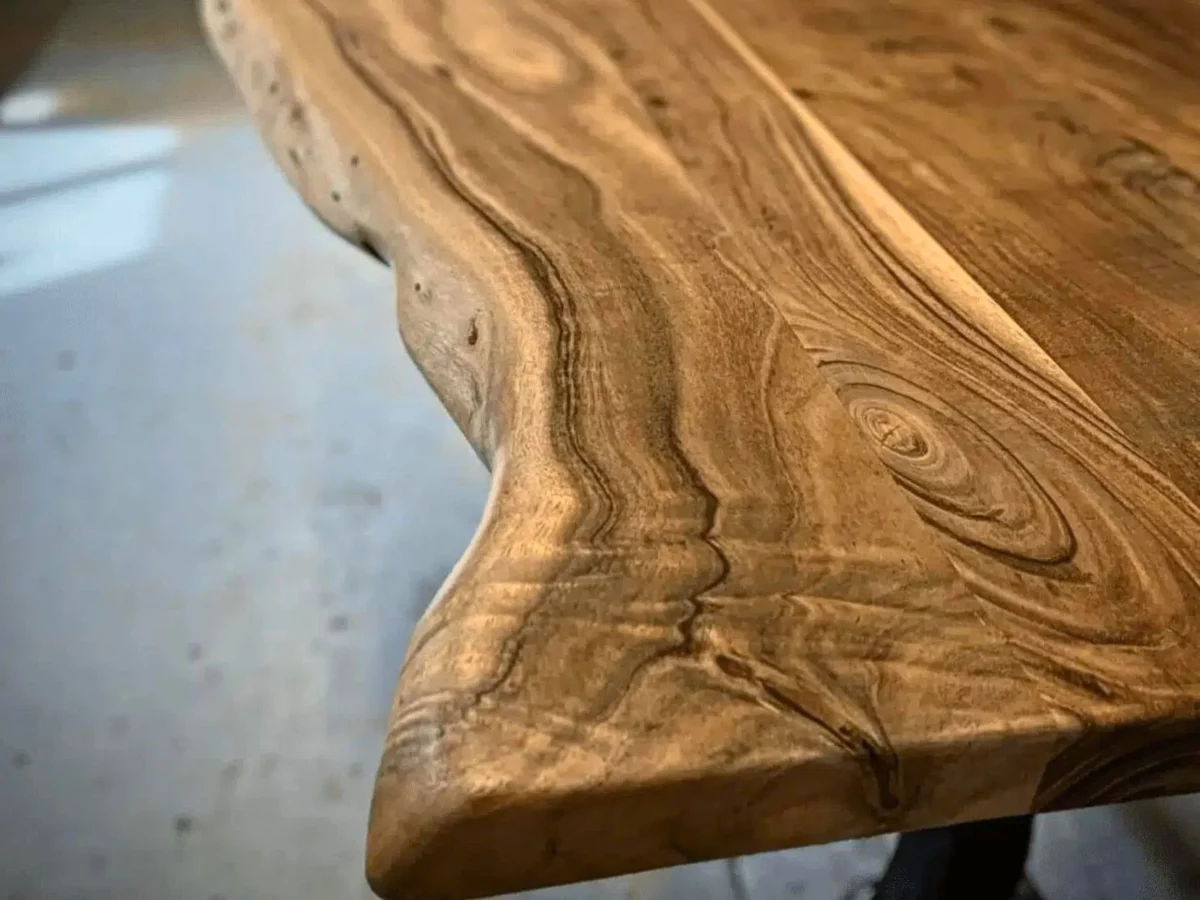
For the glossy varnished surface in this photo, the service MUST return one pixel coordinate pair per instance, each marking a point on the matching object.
(842, 428)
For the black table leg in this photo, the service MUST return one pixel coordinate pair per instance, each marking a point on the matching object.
(975, 861)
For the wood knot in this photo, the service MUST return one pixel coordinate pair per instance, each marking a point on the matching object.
(960, 477)
(892, 431)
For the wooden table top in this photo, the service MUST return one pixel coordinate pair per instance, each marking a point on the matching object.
(838, 367)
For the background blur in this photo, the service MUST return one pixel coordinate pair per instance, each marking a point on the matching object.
(225, 497)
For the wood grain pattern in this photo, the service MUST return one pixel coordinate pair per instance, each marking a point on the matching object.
(811, 518)
(1055, 148)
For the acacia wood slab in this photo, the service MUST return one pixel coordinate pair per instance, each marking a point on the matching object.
(839, 375)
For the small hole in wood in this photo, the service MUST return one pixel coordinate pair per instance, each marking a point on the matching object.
(354, 161)
(473, 334)
(335, 196)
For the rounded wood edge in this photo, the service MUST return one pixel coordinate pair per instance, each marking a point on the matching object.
(409, 822)
(470, 834)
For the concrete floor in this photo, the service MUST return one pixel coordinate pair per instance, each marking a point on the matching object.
(227, 495)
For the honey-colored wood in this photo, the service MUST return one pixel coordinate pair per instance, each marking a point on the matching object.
(838, 378)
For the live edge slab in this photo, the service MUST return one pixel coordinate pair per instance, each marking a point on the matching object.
(838, 369)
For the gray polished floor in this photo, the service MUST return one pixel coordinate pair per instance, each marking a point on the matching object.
(227, 495)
